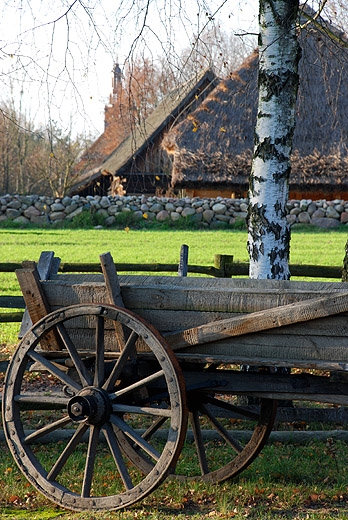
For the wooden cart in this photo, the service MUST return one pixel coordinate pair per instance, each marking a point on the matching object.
(119, 375)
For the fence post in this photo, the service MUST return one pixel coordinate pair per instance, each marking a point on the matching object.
(345, 265)
(183, 262)
(220, 262)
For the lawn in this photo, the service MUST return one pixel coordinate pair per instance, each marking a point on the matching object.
(284, 482)
(308, 245)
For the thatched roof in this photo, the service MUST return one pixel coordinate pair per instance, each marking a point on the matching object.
(166, 114)
(214, 144)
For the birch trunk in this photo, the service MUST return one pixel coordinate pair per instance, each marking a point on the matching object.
(279, 54)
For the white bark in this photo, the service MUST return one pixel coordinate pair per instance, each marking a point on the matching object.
(269, 232)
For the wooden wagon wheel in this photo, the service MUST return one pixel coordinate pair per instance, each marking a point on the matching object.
(214, 450)
(86, 400)
(216, 421)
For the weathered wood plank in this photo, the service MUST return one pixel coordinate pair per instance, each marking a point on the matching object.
(167, 321)
(48, 264)
(212, 283)
(37, 304)
(62, 294)
(227, 359)
(278, 347)
(293, 350)
(176, 295)
(264, 349)
(111, 279)
(113, 291)
(33, 294)
(260, 321)
(307, 386)
(175, 321)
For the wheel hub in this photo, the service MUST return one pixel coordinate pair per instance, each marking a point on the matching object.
(91, 405)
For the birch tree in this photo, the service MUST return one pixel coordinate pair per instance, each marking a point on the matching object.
(279, 54)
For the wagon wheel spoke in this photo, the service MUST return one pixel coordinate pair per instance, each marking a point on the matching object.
(54, 370)
(67, 452)
(126, 408)
(197, 434)
(143, 382)
(35, 402)
(135, 436)
(223, 432)
(81, 369)
(143, 462)
(240, 410)
(90, 461)
(117, 455)
(47, 429)
(99, 352)
(133, 453)
(153, 429)
(119, 365)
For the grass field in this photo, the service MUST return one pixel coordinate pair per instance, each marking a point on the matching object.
(308, 245)
(285, 481)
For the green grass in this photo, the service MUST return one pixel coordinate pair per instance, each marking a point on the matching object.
(141, 246)
(284, 482)
(308, 245)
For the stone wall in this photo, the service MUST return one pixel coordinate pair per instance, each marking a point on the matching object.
(208, 212)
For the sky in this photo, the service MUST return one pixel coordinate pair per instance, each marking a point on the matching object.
(56, 57)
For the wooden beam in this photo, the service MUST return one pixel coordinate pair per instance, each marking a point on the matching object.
(48, 264)
(183, 262)
(111, 279)
(37, 305)
(260, 321)
(114, 293)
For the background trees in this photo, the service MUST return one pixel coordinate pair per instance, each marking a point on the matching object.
(35, 160)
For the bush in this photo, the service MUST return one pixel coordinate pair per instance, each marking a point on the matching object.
(85, 219)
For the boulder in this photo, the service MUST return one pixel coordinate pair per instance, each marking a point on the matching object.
(326, 223)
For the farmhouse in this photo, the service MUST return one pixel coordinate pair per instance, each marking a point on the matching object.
(138, 161)
(212, 147)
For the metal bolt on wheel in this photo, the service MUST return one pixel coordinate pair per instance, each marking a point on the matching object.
(78, 436)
